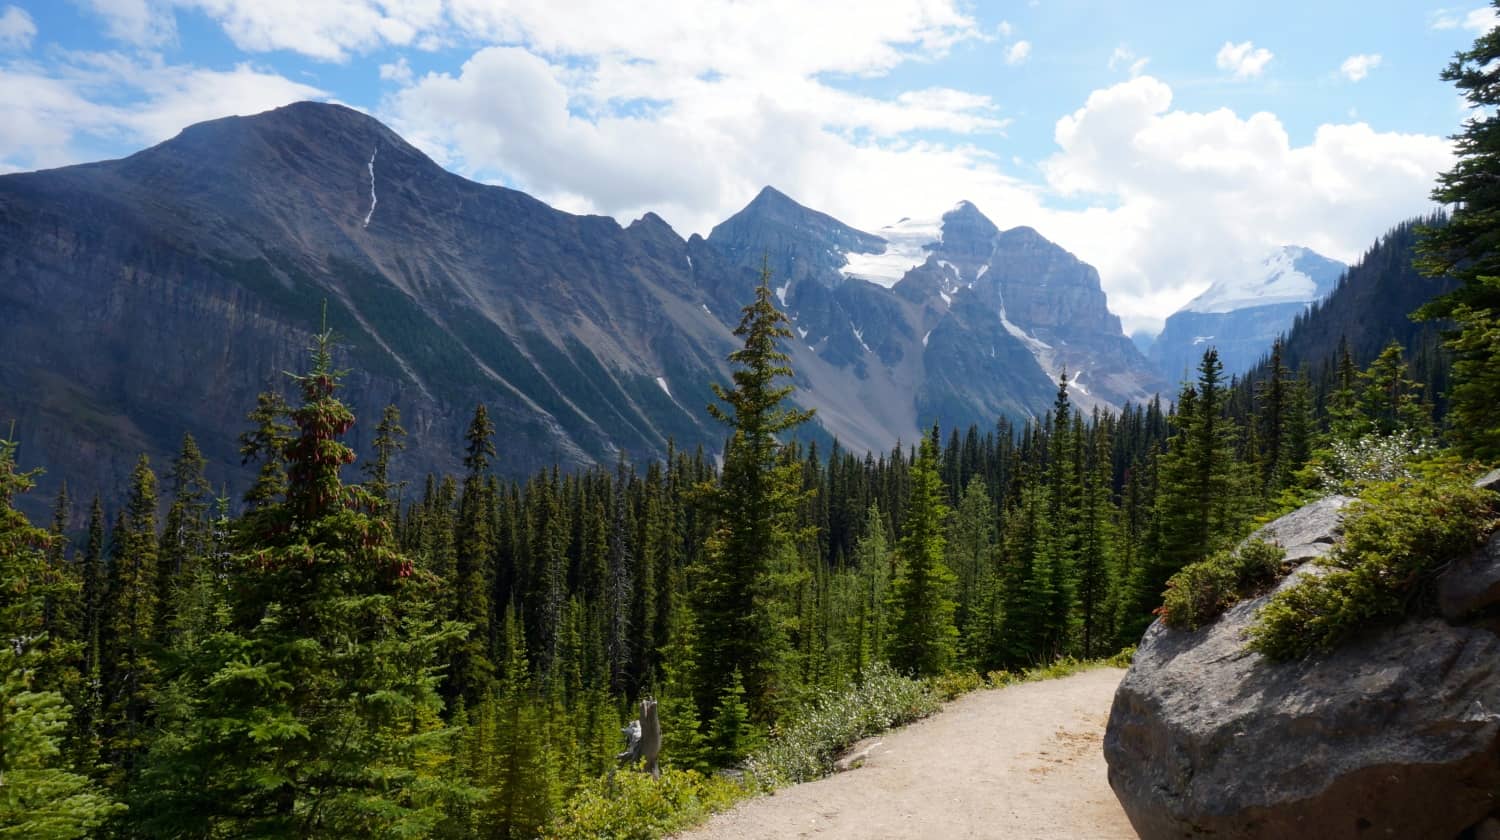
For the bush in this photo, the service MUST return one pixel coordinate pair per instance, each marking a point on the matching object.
(1397, 538)
(955, 683)
(1347, 467)
(634, 806)
(1202, 591)
(808, 744)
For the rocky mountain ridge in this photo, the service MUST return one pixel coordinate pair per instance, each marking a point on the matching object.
(157, 294)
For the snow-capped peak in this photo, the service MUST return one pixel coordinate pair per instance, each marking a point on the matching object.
(907, 243)
(1290, 274)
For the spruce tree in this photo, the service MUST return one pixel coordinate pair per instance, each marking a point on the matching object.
(40, 795)
(472, 671)
(751, 553)
(316, 713)
(129, 660)
(390, 438)
(1466, 249)
(266, 443)
(923, 637)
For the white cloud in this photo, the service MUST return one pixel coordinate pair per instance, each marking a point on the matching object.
(143, 23)
(1125, 57)
(398, 71)
(1478, 21)
(1018, 53)
(1195, 195)
(1356, 67)
(50, 118)
(1005, 29)
(16, 29)
(1244, 60)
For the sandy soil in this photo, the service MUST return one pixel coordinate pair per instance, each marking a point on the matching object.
(1019, 762)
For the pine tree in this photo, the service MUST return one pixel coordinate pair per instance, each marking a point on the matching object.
(129, 661)
(751, 552)
(390, 438)
(40, 796)
(266, 443)
(923, 637)
(316, 714)
(1465, 248)
(472, 670)
(184, 539)
(731, 734)
(971, 555)
(84, 736)
(1390, 400)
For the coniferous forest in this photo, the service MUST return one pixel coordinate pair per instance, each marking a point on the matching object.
(332, 652)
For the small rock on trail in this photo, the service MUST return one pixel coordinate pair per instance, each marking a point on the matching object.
(1023, 761)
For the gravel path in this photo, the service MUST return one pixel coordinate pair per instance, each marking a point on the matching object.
(1018, 762)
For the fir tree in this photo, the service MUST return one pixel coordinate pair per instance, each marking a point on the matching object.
(754, 504)
(266, 443)
(40, 796)
(923, 636)
(316, 714)
(129, 661)
(1465, 248)
(390, 438)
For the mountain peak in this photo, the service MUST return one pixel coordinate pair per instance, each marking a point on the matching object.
(1288, 274)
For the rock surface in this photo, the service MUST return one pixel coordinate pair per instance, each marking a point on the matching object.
(1471, 584)
(1395, 735)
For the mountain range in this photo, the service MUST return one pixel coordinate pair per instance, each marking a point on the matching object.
(158, 294)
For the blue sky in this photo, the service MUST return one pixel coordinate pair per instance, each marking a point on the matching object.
(1168, 144)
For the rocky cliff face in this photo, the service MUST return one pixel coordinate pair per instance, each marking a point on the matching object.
(156, 295)
(1394, 735)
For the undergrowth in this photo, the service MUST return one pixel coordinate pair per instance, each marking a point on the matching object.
(1200, 592)
(805, 746)
(1396, 539)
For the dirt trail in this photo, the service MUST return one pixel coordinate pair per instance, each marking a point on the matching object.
(1020, 762)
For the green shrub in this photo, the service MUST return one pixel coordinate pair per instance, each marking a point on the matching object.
(956, 683)
(1396, 539)
(1202, 591)
(634, 806)
(806, 746)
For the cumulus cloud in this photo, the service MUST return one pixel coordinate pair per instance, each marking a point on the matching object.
(1202, 194)
(1478, 21)
(1018, 53)
(1244, 60)
(50, 117)
(1356, 67)
(16, 29)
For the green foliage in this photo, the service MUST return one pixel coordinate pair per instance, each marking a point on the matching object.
(923, 636)
(1466, 248)
(1201, 591)
(731, 735)
(1395, 539)
(751, 569)
(956, 684)
(633, 806)
(807, 744)
(40, 796)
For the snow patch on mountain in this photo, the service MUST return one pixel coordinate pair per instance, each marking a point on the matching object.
(371, 166)
(1277, 279)
(906, 245)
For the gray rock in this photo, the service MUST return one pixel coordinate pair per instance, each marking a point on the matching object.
(1471, 584)
(1490, 481)
(1316, 526)
(1394, 735)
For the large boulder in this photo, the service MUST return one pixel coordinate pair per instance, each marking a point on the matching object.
(1395, 735)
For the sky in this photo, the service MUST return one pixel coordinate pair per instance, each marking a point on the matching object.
(1168, 143)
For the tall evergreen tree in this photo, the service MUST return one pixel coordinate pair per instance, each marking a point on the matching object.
(1468, 249)
(923, 637)
(754, 505)
(316, 714)
(40, 795)
(129, 660)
